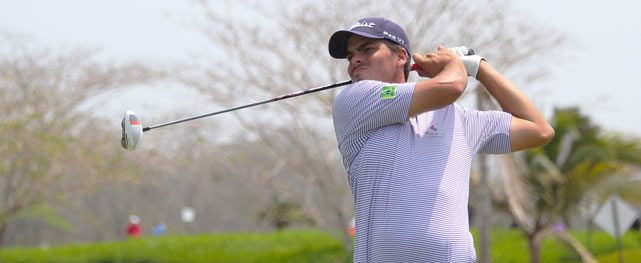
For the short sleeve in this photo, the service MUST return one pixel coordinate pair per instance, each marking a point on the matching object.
(488, 131)
(366, 106)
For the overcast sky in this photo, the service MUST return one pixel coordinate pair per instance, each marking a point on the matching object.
(602, 78)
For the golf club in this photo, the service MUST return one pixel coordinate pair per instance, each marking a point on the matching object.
(132, 129)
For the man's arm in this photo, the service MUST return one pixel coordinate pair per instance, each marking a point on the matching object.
(529, 128)
(447, 82)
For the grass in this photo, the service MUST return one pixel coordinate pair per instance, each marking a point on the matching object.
(508, 245)
(630, 255)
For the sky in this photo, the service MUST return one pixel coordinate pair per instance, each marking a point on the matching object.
(601, 78)
(604, 38)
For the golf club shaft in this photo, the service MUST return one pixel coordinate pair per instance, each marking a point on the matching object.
(282, 97)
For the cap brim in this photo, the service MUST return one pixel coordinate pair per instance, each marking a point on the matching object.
(338, 42)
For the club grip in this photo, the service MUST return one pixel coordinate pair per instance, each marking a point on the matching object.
(415, 66)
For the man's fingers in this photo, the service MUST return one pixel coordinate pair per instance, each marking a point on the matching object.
(416, 56)
(417, 59)
(428, 69)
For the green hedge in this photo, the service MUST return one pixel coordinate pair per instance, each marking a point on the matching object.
(285, 246)
(508, 245)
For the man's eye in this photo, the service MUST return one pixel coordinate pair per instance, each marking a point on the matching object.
(349, 57)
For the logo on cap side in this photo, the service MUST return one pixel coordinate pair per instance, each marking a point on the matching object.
(394, 37)
(363, 24)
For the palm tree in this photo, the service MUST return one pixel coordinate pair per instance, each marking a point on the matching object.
(554, 183)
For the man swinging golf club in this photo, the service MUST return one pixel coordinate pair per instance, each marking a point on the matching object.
(408, 148)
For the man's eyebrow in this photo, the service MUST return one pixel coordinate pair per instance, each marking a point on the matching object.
(361, 46)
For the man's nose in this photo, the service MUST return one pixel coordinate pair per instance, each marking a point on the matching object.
(356, 59)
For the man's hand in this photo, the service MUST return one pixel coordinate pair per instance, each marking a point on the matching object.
(470, 61)
(433, 63)
(446, 83)
(461, 51)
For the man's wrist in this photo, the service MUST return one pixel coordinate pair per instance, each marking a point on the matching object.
(472, 64)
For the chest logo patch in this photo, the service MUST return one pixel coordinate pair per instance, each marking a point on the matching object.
(388, 92)
(433, 132)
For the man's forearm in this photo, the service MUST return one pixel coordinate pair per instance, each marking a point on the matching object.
(510, 98)
(528, 128)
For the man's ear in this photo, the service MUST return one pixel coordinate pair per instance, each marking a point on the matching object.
(402, 56)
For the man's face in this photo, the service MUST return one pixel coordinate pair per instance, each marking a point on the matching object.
(371, 59)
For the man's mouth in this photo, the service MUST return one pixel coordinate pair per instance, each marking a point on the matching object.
(357, 69)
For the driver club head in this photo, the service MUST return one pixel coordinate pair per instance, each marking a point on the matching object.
(131, 131)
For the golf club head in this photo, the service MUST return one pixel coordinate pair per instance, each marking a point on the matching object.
(131, 131)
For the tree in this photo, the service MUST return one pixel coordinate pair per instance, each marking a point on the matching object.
(52, 146)
(555, 183)
(283, 47)
(283, 213)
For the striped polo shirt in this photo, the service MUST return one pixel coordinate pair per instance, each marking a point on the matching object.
(410, 177)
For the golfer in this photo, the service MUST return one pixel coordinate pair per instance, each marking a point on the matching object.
(408, 147)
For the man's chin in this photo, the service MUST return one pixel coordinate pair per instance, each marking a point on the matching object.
(359, 77)
(356, 78)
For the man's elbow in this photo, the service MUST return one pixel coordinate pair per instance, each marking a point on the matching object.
(456, 89)
(461, 84)
(532, 137)
(546, 134)
(449, 93)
